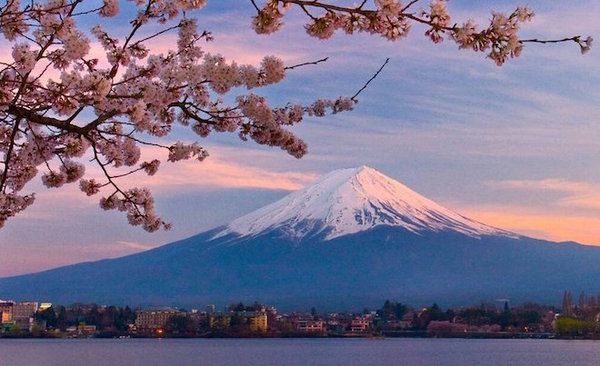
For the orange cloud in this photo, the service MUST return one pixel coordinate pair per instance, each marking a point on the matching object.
(539, 224)
(569, 217)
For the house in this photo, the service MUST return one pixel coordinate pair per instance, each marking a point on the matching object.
(359, 324)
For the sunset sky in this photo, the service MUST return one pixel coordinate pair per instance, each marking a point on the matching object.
(517, 147)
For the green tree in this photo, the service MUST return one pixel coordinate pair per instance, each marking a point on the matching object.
(61, 320)
(567, 326)
(93, 317)
(237, 307)
(567, 303)
(435, 313)
(392, 310)
(47, 315)
(179, 324)
(504, 319)
(15, 330)
(36, 330)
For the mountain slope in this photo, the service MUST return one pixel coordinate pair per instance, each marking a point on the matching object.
(352, 239)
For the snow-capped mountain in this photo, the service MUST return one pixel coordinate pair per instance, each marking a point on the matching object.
(353, 238)
(348, 201)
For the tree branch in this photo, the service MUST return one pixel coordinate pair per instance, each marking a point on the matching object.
(8, 154)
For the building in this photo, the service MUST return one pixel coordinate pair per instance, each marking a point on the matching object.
(86, 330)
(257, 321)
(308, 325)
(219, 320)
(150, 320)
(23, 313)
(6, 311)
(24, 309)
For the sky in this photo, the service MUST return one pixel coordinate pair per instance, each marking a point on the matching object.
(516, 147)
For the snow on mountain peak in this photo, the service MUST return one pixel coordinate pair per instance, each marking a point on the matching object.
(347, 201)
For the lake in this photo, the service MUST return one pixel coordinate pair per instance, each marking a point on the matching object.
(389, 351)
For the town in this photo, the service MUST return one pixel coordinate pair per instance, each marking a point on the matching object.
(393, 319)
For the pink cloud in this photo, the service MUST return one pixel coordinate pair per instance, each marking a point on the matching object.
(134, 245)
(581, 195)
(35, 257)
(224, 169)
(220, 171)
(551, 184)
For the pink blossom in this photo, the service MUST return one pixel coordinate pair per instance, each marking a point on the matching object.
(524, 14)
(11, 204)
(89, 186)
(268, 20)
(586, 45)
(181, 151)
(72, 170)
(25, 59)
(110, 8)
(273, 69)
(54, 179)
(439, 18)
(76, 45)
(151, 167)
(322, 27)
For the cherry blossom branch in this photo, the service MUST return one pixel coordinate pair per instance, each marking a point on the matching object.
(131, 202)
(393, 21)
(585, 44)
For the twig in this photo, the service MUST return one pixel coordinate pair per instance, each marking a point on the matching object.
(409, 5)
(306, 63)
(371, 79)
(544, 41)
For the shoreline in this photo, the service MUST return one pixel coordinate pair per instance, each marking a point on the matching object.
(374, 336)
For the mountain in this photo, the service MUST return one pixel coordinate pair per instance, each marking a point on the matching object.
(351, 239)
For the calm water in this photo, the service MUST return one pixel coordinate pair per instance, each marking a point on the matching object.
(297, 352)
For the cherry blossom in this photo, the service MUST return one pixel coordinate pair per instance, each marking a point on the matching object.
(61, 106)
